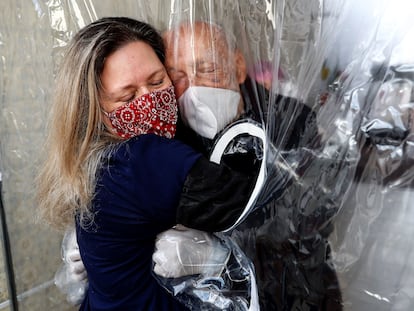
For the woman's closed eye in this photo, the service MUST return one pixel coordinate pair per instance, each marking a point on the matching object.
(157, 82)
(128, 97)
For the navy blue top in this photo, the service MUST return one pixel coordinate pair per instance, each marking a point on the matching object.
(137, 194)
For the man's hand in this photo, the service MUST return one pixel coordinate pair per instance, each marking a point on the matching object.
(181, 251)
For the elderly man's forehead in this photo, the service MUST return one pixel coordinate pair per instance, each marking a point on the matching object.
(210, 35)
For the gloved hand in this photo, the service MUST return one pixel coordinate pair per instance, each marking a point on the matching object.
(182, 251)
(71, 278)
(71, 256)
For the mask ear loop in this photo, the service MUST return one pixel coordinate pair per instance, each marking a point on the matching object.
(110, 129)
(253, 129)
(106, 114)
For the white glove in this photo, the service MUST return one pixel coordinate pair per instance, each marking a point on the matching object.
(71, 256)
(182, 251)
(71, 278)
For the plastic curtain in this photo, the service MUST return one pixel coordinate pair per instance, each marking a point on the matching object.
(335, 210)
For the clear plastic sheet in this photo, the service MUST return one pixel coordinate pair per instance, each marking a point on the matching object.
(205, 271)
(285, 233)
(71, 277)
(337, 207)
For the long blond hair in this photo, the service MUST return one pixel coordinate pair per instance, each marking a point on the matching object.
(77, 138)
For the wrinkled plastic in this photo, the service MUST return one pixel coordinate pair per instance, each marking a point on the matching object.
(351, 187)
(299, 234)
(194, 252)
(220, 276)
(205, 271)
(291, 211)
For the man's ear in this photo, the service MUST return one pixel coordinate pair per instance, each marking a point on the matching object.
(241, 67)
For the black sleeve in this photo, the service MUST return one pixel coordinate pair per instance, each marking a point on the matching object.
(213, 196)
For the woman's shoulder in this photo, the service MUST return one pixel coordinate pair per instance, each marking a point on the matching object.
(153, 142)
(151, 146)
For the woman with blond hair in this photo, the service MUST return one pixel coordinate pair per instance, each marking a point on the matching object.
(113, 167)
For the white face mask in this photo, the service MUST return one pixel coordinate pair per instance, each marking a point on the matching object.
(208, 110)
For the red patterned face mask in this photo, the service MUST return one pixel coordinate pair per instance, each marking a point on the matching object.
(155, 112)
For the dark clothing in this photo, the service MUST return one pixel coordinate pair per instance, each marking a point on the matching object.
(138, 191)
(213, 196)
(287, 243)
(136, 198)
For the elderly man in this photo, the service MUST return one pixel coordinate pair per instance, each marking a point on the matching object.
(214, 91)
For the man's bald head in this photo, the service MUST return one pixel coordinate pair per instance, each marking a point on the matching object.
(202, 54)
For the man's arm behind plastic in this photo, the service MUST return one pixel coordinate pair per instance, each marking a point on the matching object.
(182, 251)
